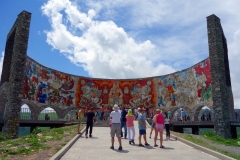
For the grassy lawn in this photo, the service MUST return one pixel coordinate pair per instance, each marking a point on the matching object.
(36, 141)
(217, 139)
(212, 138)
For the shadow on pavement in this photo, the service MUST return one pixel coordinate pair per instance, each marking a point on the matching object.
(122, 151)
(166, 148)
(147, 147)
(93, 138)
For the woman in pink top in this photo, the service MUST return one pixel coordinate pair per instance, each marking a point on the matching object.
(130, 127)
(159, 127)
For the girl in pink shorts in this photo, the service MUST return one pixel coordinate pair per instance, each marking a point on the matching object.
(159, 127)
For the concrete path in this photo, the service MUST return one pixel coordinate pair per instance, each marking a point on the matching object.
(98, 148)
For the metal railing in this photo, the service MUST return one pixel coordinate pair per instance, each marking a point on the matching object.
(46, 114)
(192, 122)
(26, 114)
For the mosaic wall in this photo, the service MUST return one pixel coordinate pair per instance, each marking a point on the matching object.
(186, 88)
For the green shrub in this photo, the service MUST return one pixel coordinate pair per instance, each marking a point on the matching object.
(36, 130)
(3, 137)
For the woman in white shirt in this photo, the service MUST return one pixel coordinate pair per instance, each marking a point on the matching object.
(167, 120)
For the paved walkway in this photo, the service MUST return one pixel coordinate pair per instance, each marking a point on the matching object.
(98, 148)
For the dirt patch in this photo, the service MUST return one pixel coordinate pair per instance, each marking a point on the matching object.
(43, 154)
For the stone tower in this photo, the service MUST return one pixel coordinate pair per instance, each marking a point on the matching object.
(13, 72)
(223, 105)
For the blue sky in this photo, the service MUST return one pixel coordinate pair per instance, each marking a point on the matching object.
(38, 49)
(124, 39)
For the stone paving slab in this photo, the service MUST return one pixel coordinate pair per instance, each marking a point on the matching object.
(98, 148)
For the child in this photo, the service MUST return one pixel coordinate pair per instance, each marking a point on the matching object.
(130, 127)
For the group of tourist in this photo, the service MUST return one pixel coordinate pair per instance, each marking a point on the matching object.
(125, 119)
(120, 119)
(206, 117)
(181, 117)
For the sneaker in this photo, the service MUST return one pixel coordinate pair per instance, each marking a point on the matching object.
(130, 142)
(133, 142)
(112, 147)
(120, 148)
(86, 136)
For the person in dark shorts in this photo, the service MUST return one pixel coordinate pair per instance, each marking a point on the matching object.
(90, 116)
(142, 127)
(115, 118)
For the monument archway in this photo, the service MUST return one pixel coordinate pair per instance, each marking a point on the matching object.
(28, 82)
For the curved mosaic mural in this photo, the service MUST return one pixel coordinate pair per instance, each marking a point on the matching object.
(189, 87)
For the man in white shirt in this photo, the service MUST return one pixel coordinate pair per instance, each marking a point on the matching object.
(115, 117)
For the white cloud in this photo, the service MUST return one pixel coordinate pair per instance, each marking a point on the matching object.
(1, 62)
(130, 39)
(104, 49)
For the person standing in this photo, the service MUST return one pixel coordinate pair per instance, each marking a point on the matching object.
(115, 117)
(123, 122)
(169, 114)
(90, 116)
(76, 115)
(69, 116)
(167, 120)
(142, 127)
(46, 117)
(130, 127)
(96, 116)
(147, 112)
(159, 127)
(105, 114)
(136, 113)
(85, 111)
(176, 116)
(182, 115)
(133, 111)
(152, 127)
(102, 113)
(151, 113)
(79, 117)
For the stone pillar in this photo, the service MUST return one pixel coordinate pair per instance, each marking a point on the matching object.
(220, 74)
(13, 71)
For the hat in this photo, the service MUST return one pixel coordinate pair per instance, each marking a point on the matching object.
(158, 110)
(115, 107)
(141, 109)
